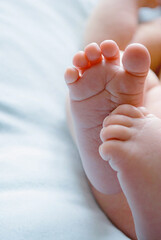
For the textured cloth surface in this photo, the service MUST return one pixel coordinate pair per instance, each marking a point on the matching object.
(44, 194)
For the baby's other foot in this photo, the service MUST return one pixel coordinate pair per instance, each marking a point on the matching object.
(99, 83)
(131, 144)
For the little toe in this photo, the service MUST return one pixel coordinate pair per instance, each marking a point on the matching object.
(116, 132)
(136, 60)
(129, 111)
(93, 53)
(80, 60)
(110, 149)
(115, 153)
(117, 119)
(110, 51)
(71, 75)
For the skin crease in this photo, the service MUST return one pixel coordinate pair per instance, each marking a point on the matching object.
(138, 169)
(102, 87)
(112, 204)
(125, 213)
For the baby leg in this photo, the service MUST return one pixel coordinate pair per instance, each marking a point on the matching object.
(106, 19)
(103, 25)
(149, 34)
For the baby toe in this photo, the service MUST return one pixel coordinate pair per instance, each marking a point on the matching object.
(71, 75)
(80, 60)
(93, 53)
(136, 60)
(110, 51)
(117, 119)
(109, 150)
(129, 111)
(116, 132)
(115, 152)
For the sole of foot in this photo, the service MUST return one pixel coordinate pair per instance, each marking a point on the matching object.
(102, 79)
(131, 144)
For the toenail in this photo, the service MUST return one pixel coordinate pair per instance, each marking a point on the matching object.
(104, 156)
(111, 163)
(105, 121)
(102, 135)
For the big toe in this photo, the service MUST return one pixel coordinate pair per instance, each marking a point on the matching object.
(136, 60)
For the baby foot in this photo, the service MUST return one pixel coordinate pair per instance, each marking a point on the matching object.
(131, 143)
(99, 83)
